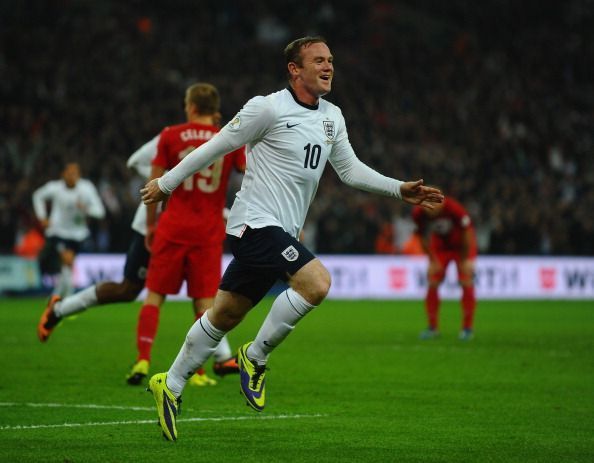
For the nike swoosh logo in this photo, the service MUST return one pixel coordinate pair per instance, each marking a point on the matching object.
(290, 126)
(267, 344)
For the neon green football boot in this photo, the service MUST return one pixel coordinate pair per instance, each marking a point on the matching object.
(252, 377)
(168, 406)
(202, 380)
(138, 372)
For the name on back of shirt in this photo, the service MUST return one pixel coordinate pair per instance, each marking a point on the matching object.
(194, 134)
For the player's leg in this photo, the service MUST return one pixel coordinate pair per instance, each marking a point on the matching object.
(229, 308)
(146, 331)
(67, 250)
(102, 293)
(203, 275)
(284, 258)
(240, 289)
(204, 337)
(435, 276)
(200, 379)
(165, 276)
(108, 292)
(308, 288)
(468, 303)
(200, 343)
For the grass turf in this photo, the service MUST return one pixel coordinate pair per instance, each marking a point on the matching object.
(352, 383)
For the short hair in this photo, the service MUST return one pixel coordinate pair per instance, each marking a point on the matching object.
(293, 50)
(205, 97)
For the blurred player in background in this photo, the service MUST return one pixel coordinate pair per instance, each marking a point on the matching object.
(187, 242)
(137, 258)
(72, 200)
(290, 134)
(447, 235)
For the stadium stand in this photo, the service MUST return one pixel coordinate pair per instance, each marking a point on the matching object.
(493, 102)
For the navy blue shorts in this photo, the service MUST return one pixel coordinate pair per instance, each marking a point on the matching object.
(137, 259)
(49, 257)
(261, 257)
(62, 244)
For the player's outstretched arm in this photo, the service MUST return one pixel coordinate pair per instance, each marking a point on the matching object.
(417, 193)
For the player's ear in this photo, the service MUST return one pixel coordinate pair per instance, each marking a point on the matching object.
(292, 67)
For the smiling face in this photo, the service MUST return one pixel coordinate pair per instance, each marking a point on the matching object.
(311, 75)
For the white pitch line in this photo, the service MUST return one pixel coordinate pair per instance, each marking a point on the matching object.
(54, 405)
(186, 420)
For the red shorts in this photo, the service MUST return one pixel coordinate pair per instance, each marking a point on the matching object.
(172, 263)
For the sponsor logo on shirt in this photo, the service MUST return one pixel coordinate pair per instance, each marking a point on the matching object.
(291, 254)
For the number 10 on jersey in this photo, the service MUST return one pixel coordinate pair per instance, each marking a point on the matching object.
(312, 156)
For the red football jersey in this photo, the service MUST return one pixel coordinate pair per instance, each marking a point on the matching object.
(447, 228)
(194, 212)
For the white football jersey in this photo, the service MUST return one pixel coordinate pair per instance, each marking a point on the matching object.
(69, 208)
(141, 162)
(288, 144)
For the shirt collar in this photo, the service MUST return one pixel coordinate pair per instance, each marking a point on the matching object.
(300, 103)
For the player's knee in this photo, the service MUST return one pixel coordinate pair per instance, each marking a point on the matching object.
(225, 318)
(318, 288)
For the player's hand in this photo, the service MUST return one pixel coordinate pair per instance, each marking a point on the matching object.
(417, 193)
(44, 223)
(151, 193)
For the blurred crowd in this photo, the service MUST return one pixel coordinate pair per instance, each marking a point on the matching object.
(492, 101)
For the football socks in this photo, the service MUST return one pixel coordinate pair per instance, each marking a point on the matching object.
(201, 342)
(288, 308)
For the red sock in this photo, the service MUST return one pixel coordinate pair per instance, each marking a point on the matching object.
(468, 306)
(148, 322)
(432, 306)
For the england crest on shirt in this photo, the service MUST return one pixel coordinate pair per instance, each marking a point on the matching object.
(329, 129)
(291, 254)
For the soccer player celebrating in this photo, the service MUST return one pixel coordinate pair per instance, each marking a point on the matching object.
(447, 235)
(72, 199)
(290, 135)
(187, 243)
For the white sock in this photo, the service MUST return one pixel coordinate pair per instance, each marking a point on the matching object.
(223, 351)
(77, 302)
(201, 342)
(288, 308)
(64, 285)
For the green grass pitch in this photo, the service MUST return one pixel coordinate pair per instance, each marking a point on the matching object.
(353, 383)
